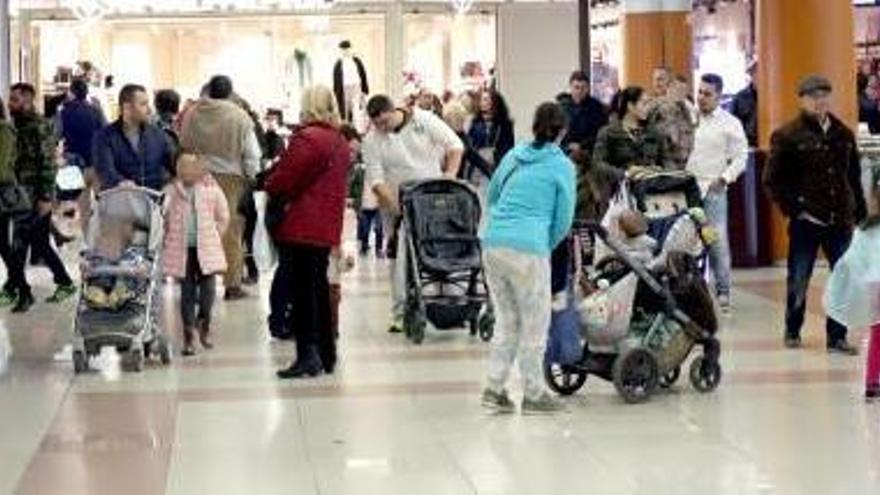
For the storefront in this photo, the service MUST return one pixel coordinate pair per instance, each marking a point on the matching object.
(271, 49)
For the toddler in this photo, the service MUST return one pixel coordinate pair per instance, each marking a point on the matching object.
(852, 296)
(197, 217)
(634, 229)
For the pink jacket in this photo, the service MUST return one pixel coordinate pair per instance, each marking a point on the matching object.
(212, 220)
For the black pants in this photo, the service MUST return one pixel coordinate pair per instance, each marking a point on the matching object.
(13, 250)
(301, 283)
(198, 291)
(249, 212)
(33, 233)
(805, 239)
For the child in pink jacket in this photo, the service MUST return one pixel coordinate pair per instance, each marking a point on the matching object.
(196, 218)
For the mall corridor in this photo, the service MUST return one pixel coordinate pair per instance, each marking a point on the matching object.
(402, 419)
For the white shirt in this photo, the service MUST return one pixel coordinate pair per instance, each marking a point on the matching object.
(350, 74)
(416, 152)
(721, 149)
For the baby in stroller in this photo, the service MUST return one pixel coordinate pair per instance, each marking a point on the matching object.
(115, 247)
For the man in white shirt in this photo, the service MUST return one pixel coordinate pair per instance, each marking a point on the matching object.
(405, 145)
(717, 160)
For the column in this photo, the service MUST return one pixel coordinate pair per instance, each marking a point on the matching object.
(394, 49)
(584, 52)
(655, 33)
(5, 49)
(797, 38)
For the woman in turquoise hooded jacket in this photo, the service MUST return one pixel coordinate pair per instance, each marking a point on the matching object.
(531, 202)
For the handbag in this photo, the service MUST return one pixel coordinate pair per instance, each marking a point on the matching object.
(564, 345)
(14, 200)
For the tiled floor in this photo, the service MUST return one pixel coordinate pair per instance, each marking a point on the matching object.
(403, 419)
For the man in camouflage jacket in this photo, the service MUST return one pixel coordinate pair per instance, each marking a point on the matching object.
(35, 170)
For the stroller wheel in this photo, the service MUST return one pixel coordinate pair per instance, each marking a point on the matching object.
(80, 362)
(636, 375)
(705, 374)
(133, 360)
(564, 380)
(669, 379)
(486, 326)
(414, 325)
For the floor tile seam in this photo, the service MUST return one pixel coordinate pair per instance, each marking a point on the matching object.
(307, 451)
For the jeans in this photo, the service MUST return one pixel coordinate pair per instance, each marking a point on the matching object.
(303, 286)
(197, 289)
(14, 252)
(36, 234)
(805, 239)
(369, 220)
(715, 205)
(519, 285)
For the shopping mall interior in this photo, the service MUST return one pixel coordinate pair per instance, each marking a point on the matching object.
(406, 412)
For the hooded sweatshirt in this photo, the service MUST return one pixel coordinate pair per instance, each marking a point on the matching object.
(531, 200)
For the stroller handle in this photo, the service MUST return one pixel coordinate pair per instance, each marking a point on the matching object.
(152, 193)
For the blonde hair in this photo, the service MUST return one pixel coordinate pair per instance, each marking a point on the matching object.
(456, 115)
(318, 104)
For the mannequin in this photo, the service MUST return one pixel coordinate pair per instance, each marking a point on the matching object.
(349, 82)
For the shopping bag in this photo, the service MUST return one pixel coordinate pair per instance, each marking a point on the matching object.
(620, 203)
(606, 313)
(564, 344)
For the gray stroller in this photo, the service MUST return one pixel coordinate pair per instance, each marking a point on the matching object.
(120, 300)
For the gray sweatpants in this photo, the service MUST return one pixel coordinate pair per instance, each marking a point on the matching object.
(519, 284)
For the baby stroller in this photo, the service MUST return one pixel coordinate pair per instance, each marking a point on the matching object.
(640, 322)
(120, 300)
(445, 282)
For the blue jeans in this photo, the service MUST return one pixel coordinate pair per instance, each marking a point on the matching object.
(715, 205)
(805, 239)
(370, 220)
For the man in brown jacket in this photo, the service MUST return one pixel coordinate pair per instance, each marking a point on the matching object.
(224, 133)
(814, 175)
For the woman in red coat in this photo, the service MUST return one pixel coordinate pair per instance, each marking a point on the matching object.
(310, 178)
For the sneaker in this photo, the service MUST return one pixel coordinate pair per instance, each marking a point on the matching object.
(497, 402)
(793, 343)
(61, 294)
(844, 348)
(545, 404)
(872, 393)
(7, 298)
(724, 305)
(235, 294)
(396, 326)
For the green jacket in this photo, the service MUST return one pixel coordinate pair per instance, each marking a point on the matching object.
(35, 165)
(7, 153)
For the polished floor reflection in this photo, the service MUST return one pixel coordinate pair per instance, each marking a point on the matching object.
(403, 419)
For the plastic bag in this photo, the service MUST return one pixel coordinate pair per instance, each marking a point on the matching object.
(606, 313)
(564, 340)
(620, 202)
(70, 178)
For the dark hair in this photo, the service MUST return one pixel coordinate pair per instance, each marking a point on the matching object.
(167, 101)
(624, 98)
(126, 94)
(500, 110)
(345, 45)
(79, 88)
(108, 81)
(549, 122)
(220, 88)
(715, 81)
(861, 83)
(378, 105)
(25, 88)
(579, 76)
(349, 132)
(276, 112)
(2, 109)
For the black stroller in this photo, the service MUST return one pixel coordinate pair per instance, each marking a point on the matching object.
(445, 282)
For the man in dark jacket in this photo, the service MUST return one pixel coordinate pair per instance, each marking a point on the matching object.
(814, 176)
(745, 107)
(35, 170)
(586, 115)
(78, 122)
(132, 151)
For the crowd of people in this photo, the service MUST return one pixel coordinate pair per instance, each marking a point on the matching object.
(212, 153)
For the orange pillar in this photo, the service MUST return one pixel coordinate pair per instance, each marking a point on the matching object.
(797, 38)
(655, 33)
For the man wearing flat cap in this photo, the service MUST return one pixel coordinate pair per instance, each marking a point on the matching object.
(814, 176)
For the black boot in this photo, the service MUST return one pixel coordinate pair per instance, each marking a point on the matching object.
(24, 303)
(308, 364)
